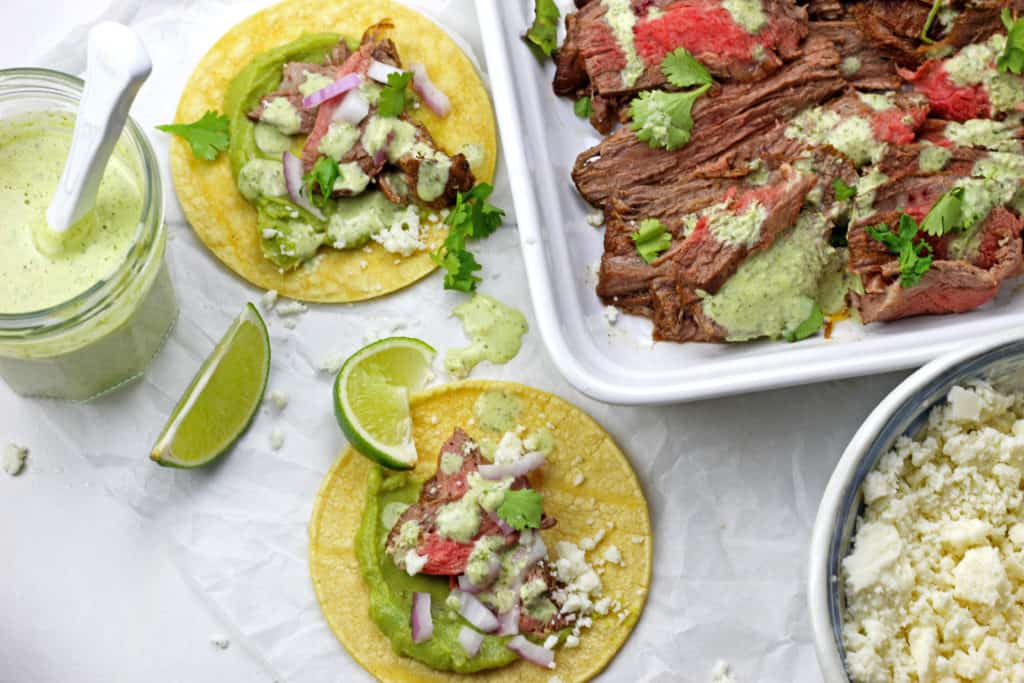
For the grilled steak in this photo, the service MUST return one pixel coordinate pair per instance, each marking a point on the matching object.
(863, 66)
(894, 27)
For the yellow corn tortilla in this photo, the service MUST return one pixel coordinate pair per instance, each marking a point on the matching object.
(226, 223)
(610, 493)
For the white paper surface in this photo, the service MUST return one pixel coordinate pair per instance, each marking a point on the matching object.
(733, 484)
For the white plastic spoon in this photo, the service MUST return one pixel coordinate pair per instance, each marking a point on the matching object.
(117, 64)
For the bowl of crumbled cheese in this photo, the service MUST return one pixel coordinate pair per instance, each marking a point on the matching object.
(917, 556)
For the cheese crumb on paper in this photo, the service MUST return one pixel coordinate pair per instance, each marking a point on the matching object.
(14, 459)
(220, 642)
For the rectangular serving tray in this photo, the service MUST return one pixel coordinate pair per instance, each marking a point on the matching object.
(617, 363)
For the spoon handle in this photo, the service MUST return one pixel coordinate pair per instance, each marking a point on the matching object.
(117, 65)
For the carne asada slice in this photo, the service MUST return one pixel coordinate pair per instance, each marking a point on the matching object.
(741, 225)
(864, 67)
(827, 10)
(678, 315)
(968, 85)
(736, 114)
(623, 43)
(298, 80)
(893, 27)
(949, 286)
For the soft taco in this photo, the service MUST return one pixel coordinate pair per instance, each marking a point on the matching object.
(521, 552)
(354, 125)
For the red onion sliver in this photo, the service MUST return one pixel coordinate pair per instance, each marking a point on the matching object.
(470, 640)
(353, 108)
(422, 622)
(432, 96)
(519, 468)
(379, 71)
(508, 622)
(338, 87)
(476, 613)
(502, 524)
(293, 181)
(531, 652)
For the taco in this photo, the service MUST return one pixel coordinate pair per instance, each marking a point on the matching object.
(354, 124)
(522, 552)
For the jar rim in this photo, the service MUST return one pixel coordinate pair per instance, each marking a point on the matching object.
(98, 296)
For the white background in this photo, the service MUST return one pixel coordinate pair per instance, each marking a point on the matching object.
(112, 569)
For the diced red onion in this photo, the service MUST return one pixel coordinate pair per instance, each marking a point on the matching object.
(432, 96)
(476, 613)
(502, 524)
(338, 87)
(519, 468)
(382, 154)
(353, 108)
(293, 181)
(508, 622)
(422, 622)
(470, 640)
(531, 652)
(379, 71)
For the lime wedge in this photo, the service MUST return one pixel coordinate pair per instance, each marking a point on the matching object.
(371, 398)
(220, 402)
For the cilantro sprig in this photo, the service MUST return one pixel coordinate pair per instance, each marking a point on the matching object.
(542, 37)
(842, 190)
(393, 95)
(522, 509)
(936, 6)
(1012, 59)
(208, 136)
(323, 174)
(651, 239)
(808, 327)
(915, 258)
(583, 107)
(946, 215)
(471, 218)
(664, 119)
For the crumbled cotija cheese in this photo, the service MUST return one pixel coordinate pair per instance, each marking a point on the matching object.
(935, 583)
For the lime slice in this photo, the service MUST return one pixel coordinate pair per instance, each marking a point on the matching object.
(371, 398)
(224, 395)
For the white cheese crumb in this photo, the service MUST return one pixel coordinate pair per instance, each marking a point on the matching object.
(364, 265)
(220, 642)
(550, 642)
(279, 399)
(638, 540)
(578, 479)
(14, 459)
(268, 299)
(276, 439)
(613, 554)
(290, 323)
(720, 673)
(611, 314)
(596, 219)
(285, 308)
(332, 363)
(403, 236)
(433, 419)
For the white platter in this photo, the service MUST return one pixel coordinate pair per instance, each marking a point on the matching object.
(541, 138)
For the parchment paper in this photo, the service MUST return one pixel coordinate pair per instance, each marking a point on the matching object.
(733, 484)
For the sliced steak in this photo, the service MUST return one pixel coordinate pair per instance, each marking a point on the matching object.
(542, 571)
(679, 315)
(948, 100)
(977, 22)
(737, 114)
(571, 77)
(893, 27)
(864, 67)
(828, 10)
(704, 261)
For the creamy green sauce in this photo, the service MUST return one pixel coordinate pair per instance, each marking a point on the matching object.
(379, 130)
(850, 66)
(391, 589)
(867, 187)
(495, 332)
(877, 101)
(542, 440)
(497, 410)
(355, 220)
(352, 180)
(748, 14)
(933, 158)
(998, 136)
(852, 136)
(775, 290)
(620, 17)
(743, 229)
(262, 178)
(271, 141)
(434, 169)
(975, 65)
(313, 82)
(338, 140)
(283, 115)
(33, 149)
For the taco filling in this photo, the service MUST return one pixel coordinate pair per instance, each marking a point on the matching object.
(460, 576)
(325, 146)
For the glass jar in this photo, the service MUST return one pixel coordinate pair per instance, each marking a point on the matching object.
(106, 335)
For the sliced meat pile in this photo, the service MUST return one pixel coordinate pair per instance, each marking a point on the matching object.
(847, 111)
(397, 177)
(449, 557)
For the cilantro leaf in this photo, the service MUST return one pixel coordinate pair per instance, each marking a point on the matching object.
(542, 38)
(936, 6)
(472, 217)
(1012, 59)
(947, 214)
(583, 107)
(208, 136)
(522, 509)
(651, 239)
(842, 190)
(663, 119)
(392, 96)
(808, 327)
(683, 70)
(915, 257)
(324, 172)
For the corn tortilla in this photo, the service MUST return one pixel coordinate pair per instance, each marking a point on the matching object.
(610, 493)
(226, 222)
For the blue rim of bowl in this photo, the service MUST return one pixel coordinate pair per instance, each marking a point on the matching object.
(902, 412)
